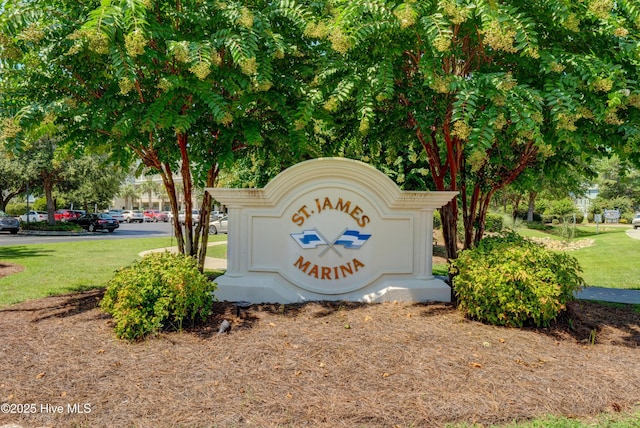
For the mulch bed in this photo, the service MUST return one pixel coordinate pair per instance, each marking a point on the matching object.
(318, 365)
(9, 269)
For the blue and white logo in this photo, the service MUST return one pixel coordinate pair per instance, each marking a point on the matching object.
(350, 239)
(308, 239)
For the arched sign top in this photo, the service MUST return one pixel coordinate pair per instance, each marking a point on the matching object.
(332, 170)
(330, 229)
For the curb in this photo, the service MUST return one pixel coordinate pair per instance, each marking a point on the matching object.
(53, 233)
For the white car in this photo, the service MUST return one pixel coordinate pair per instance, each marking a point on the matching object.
(117, 214)
(195, 216)
(219, 225)
(131, 216)
(636, 221)
(32, 217)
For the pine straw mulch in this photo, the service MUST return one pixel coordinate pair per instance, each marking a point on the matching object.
(317, 364)
(9, 269)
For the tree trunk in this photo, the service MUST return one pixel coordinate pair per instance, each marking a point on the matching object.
(205, 215)
(187, 186)
(449, 218)
(170, 185)
(10, 195)
(532, 205)
(51, 205)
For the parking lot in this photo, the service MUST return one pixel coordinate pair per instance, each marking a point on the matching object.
(126, 230)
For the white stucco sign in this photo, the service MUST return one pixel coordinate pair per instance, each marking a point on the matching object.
(330, 229)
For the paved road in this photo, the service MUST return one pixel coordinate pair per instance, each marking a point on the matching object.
(133, 230)
(634, 233)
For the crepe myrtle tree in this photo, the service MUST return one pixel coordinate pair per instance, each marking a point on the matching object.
(485, 88)
(180, 85)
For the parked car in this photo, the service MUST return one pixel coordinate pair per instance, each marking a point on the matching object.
(155, 215)
(217, 214)
(218, 226)
(66, 215)
(636, 221)
(117, 214)
(30, 217)
(43, 215)
(131, 216)
(9, 223)
(169, 215)
(97, 221)
(195, 216)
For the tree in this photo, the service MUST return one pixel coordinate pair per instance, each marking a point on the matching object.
(616, 178)
(149, 186)
(14, 178)
(129, 191)
(91, 180)
(179, 85)
(487, 89)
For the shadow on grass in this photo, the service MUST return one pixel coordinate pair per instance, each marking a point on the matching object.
(61, 306)
(22, 252)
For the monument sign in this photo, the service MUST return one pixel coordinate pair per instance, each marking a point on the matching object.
(330, 229)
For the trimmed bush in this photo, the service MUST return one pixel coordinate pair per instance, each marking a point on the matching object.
(509, 280)
(59, 226)
(159, 292)
(16, 209)
(494, 223)
(437, 222)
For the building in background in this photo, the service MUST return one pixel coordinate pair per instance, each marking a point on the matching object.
(148, 193)
(584, 202)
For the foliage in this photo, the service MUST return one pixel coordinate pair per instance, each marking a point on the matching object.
(89, 181)
(437, 223)
(161, 291)
(15, 209)
(509, 280)
(618, 179)
(480, 91)
(14, 177)
(130, 193)
(494, 223)
(58, 226)
(181, 86)
(561, 207)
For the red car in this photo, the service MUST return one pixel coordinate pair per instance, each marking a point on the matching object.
(155, 215)
(66, 215)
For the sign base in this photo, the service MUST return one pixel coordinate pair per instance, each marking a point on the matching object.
(264, 289)
(330, 229)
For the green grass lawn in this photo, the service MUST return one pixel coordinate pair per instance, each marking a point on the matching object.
(613, 260)
(73, 266)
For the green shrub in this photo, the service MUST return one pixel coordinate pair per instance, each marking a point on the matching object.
(437, 222)
(494, 223)
(159, 292)
(59, 226)
(16, 209)
(509, 280)
(539, 226)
